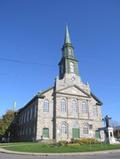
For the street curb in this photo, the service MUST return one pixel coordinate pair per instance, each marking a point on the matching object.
(58, 154)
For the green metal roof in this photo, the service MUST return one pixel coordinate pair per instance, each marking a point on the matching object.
(67, 36)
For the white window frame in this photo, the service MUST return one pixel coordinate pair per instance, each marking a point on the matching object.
(74, 106)
(46, 105)
(64, 128)
(85, 106)
(63, 105)
(95, 110)
(86, 128)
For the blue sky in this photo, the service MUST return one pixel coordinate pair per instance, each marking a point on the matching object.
(31, 37)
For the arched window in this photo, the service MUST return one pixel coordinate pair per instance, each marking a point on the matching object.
(46, 106)
(64, 128)
(31, 113)
(74, 106)
(86, 128)
(95, 111)
(63, 105)
(27, 115)
(71, 67)
(85, 106)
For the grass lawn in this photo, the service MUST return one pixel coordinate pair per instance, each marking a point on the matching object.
(37, 147)
(14, 143)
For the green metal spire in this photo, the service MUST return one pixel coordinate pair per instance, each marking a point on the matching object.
(67, 36)
(68, 59)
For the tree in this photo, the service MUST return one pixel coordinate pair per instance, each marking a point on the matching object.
(6, 121)
(1, 127)
(115, 123)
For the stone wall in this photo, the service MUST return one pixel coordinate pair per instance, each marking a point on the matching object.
(26, 126)
(45, 119)
(69, 90)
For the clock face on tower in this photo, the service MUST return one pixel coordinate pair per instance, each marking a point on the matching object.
(73, 78)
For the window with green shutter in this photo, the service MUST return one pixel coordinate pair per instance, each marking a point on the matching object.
(75, 133)
(97, 134)
(45, 132)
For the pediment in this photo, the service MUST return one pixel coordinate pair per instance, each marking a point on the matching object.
(73, 90)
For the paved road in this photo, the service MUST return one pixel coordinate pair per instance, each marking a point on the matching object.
(96, 156)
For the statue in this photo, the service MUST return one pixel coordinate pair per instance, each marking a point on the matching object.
(107, 120)
(108, 131)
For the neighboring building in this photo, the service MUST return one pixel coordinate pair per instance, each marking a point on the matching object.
(117, 132)
(65, 111)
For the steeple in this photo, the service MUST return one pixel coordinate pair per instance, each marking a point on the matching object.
(67, 36)
(67, 48)
(68, 63)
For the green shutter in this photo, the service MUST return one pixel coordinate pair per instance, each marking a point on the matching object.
(45, 132)
(75, 133)
(97, 134)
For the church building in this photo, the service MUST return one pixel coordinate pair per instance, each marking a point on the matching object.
(67, 110)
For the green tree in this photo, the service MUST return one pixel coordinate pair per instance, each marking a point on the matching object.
(1, 127)
(6, 121)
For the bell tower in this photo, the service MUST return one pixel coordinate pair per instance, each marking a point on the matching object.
(68, 64)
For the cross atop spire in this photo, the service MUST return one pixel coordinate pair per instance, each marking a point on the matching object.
(67, 36)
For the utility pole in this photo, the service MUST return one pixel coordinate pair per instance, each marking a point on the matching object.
(14, 106)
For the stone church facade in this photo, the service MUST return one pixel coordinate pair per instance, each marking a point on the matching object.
(68, 110)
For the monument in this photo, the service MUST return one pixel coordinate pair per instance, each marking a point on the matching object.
(109, 136)
(107, 121)
(107, 132)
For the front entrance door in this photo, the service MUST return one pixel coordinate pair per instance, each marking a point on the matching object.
(97, 134)
(45, 133)
(75, 133)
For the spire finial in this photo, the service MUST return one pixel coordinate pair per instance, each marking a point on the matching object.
(67, 36)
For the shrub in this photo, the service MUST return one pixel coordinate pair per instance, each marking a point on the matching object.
(85, 141)
(74, 141)
(62, 143)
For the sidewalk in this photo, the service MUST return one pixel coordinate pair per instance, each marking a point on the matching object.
(58, 154)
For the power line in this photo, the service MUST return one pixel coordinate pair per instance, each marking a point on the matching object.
(22, 62)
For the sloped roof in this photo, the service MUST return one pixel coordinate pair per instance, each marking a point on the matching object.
(38, 95)
(75, 87)
(41, 95)
(99, 102)
(91, 94)
(42, 92)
